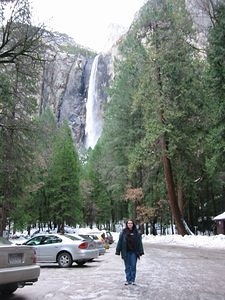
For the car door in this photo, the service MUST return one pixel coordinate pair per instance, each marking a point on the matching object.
(49, 248)
(35, 242)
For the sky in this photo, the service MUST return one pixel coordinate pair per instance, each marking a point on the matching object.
(87, 21)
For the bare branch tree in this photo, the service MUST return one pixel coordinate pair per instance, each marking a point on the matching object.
(18, 37)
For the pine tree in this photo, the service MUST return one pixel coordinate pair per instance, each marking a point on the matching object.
(21, 49)
(62, 186)
(171, 98)
(215, 162)
(17, 137)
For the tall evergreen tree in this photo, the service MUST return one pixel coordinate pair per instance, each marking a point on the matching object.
(62, 186)
(122, 129)
(38, 200)
(98, 196)
(215, 162)
(172, 107)
(21, 47)
(17, 128)
(155, 111)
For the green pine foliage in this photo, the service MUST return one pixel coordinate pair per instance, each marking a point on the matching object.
(17, 139)
(43, 157)
(163, 89)
(98, 196)
(157, 91)
(171, 82)
(62, 183)
(215, 149)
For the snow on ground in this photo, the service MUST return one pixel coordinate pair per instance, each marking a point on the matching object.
(206, 241)
(213, 241)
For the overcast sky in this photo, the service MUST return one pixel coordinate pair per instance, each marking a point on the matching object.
(86, 21)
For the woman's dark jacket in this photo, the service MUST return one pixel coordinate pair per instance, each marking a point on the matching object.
(122, 243)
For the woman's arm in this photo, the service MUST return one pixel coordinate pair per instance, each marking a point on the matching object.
(119, 244)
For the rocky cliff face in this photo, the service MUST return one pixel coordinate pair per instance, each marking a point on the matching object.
(65, 84)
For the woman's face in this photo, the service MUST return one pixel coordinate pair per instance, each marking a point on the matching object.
(130, 224)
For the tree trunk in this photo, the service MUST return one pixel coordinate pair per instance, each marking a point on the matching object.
(3, 218)
(180, 198)
(6, 190)
(170, 189)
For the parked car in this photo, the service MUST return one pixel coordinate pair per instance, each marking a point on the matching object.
(91, 243)
(17, 267)
(103, 235)
(61, 249)
(108, 236)
(95, 239)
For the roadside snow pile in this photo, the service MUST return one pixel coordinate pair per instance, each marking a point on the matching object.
(214, 241)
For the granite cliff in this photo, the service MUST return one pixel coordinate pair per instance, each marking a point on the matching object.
(65, 82)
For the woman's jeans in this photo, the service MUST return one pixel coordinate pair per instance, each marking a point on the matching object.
(130, 266)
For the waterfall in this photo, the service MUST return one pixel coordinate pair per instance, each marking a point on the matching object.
(94, 119)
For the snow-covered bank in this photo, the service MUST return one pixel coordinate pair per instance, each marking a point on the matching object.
(213, 241)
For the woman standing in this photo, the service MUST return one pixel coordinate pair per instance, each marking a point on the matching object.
(131, 248)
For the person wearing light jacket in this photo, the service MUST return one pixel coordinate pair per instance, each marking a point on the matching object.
(131, 248)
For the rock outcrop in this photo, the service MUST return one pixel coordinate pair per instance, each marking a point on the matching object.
(65, 83)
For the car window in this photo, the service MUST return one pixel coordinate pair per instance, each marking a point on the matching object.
(34, 241)
(51, 240)
(86, 237)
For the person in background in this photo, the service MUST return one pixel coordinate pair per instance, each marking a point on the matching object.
(103, 237)
(131, 248)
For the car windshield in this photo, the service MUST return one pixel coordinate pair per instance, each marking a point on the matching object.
(4, 241)
(86, 237)
(72, 237)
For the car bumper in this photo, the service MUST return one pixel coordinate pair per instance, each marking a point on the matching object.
(101, 251)
(87, 255)
(19, 274)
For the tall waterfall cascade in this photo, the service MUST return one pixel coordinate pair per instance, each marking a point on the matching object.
(94, 120)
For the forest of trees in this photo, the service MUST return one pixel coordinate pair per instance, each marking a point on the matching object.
(160, 157)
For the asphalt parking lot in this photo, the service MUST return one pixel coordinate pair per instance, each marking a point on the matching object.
(164, 272)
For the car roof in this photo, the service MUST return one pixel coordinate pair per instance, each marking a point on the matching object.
(65, 237)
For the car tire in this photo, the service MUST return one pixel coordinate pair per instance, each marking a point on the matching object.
(9, 289)
(64, 260)
(80, 263)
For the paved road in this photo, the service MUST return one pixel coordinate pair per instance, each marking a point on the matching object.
(164, 272)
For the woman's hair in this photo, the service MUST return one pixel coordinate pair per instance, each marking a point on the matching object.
(130, 220)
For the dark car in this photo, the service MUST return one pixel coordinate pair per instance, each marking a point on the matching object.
(17, 266)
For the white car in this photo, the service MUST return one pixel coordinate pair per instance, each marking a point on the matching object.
(17, 267)
(99, 244)
(62, 249)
